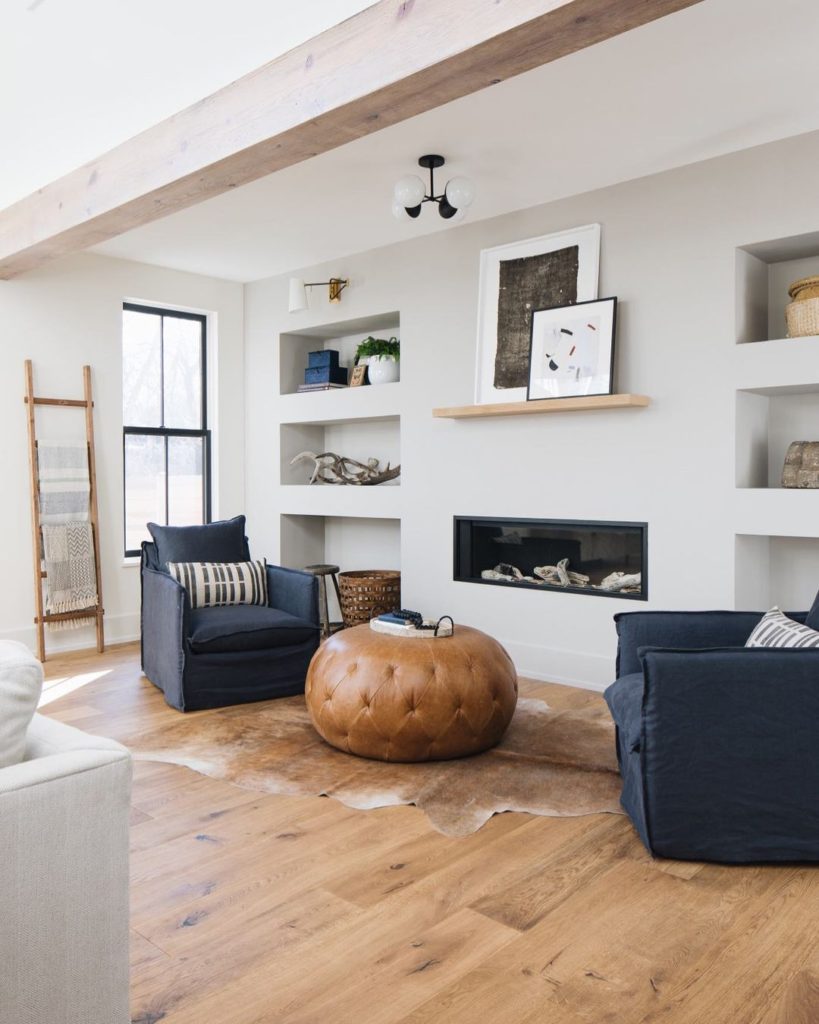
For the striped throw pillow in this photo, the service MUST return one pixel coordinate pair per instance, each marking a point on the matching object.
(775, 629)
(212, 584)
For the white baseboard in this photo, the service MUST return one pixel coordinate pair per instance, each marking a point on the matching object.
(571, 668)
(119, 629)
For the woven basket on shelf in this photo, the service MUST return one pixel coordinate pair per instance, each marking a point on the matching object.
(803, 318)
(366, 593)
(802, 314)
(804, 288)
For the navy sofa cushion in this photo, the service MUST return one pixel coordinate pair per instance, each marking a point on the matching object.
(223, 541)
(697, 630)
(245, 628)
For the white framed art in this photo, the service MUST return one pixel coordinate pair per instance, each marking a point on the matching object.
(572, 350)
(516, 279)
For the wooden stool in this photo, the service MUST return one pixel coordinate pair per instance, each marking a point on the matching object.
(323, 571)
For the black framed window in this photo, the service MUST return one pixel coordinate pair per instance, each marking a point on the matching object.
(166, 441)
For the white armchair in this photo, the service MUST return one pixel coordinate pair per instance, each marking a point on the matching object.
(64, 812)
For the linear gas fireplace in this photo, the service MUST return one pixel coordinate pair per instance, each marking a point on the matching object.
(573, 556)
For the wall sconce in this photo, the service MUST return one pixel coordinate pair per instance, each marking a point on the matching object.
(410, 192)
(298, 291)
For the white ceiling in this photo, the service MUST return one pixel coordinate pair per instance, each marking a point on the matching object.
(721, 76)
(718, 77)
(80, 76)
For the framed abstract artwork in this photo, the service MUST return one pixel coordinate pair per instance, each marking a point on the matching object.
(516, 279)
(572, 350)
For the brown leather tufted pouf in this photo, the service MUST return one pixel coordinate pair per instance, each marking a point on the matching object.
(400, 699)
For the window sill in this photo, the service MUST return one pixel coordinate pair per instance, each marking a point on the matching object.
(131, 563)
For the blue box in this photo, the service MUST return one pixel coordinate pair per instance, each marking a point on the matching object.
(325, 357)
(325, 375)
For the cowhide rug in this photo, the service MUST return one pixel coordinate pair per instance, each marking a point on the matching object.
(558, 763)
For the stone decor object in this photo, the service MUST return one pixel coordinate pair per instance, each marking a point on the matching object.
(397, 699)
(801, 467)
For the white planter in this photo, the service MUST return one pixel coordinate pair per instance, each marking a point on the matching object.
(382, 369)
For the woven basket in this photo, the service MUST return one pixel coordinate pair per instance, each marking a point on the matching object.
(366, 593)
(803, 318)
(804, 288)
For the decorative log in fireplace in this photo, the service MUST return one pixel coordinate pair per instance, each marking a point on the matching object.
(607, 559)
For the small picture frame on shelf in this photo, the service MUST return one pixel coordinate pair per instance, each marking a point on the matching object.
(358, 375)
(571, 352)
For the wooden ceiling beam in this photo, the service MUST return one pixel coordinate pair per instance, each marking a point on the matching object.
(392, 61)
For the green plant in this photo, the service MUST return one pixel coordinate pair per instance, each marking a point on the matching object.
(378, 347)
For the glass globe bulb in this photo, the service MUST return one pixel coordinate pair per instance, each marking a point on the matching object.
(399, 211)
(460, 192)
(409, 190)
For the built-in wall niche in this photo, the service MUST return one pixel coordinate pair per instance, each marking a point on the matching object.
(346, 541)
(767, 421)
(781, 571)
(359, 439)
(763, 273)
(345, 336)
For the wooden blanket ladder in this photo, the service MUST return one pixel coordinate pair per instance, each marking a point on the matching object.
(86, 403)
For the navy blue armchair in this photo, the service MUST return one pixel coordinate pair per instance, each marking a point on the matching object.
(212, 657)
(718, 744)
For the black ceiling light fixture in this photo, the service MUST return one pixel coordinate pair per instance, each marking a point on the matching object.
(410, 192)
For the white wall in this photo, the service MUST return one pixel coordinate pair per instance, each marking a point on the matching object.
(61, 317)
(668, 253)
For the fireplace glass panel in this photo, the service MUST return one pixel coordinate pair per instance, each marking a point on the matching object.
(527, 553)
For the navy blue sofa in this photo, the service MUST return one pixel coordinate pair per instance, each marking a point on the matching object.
(718, 744)
(211, 657)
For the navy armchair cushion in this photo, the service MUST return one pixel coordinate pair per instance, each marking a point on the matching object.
(245, 628)
(223, 541)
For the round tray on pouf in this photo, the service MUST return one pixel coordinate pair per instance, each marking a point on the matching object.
(445, 629)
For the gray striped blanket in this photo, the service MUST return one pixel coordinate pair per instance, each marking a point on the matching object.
(62, 468)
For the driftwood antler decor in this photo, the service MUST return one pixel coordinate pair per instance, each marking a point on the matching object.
(330, 468)
(561, 575)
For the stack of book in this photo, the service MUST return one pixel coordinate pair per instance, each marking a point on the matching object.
(320, 387)
(410, 624)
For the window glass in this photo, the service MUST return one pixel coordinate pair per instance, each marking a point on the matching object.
(166, 441)
(185, 482)
(183, 373)
(141, 369)
(144, 486)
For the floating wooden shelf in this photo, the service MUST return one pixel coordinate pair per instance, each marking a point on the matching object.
(584, 403)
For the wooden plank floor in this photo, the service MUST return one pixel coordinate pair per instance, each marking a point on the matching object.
(252, 909)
